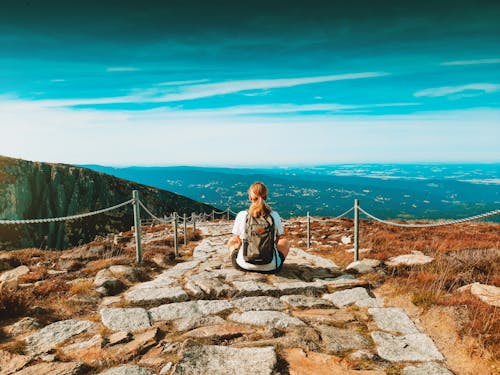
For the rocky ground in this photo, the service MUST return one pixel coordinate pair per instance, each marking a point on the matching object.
(201, 316)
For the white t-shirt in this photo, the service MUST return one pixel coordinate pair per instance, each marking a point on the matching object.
(239, 230)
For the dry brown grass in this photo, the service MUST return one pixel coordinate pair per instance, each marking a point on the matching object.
(14, 303)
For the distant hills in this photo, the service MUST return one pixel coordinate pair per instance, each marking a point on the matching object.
(407, 191)
(31, 190)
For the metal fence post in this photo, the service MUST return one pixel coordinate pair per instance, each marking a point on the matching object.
(137, 226)
(185, 230)
(213, 215)
(193, 215)
(356, 230)
(308, 231)
(228, 210)
(176, 246)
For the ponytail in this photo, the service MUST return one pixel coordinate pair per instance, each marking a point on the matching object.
(259, 207)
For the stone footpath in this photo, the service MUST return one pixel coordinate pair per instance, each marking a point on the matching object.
(204, 317)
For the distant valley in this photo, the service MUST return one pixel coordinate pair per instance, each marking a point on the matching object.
(404, 191)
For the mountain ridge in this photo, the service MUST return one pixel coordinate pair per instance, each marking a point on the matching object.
(32, 190)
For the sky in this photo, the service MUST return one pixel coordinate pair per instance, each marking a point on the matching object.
(250, 83)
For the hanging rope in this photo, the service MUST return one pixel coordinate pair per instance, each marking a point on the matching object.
(72, 217)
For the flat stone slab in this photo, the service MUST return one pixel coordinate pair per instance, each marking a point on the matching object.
(274, 319)
(325, 316)
(338, 340)
(166, 294)
(128, 370)
(173, 311)
(347, 297)
(363, 266)
(370, 302)
(297, 255)
(415, 347)
(10, 362)
(220, 331)
(213, 286)
(217, 360)
(416, 258)
(127, 319)
(254, 288)
(180, 269)
(426, 369)
(55, 368)
(300, 287)
(305, 301)
(55, 333)
(489, 294)
(195, 321)
(393, 319)
(258, 303)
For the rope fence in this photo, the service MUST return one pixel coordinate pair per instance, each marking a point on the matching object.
(183, 221)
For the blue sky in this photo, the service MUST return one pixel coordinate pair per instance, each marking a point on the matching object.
(250, 82)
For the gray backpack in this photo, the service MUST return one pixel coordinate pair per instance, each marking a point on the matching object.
(258, 244)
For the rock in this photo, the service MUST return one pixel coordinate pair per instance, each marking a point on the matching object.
(105, 283)
(274, 319)
(180, 269)
(346, 240)
(158, 295)
(174, 311)
(130, 273)
(10, 363)
(119, 338)
(426, 369)
(190, 309)
(414, 347)
(258, 303)
(326, 316)
(305, 301)
(416, 258)
(54, 334)
(217, 360)
(142, 342)
(213, 307)
(23, 326)
(301, 362)
(213, 287)
(360, 355)
(338, 340)
(254, 288)
(87, 252)
(126, 319)
(489, 294)
(193, 289)
(48, 357)
(55, 368)
(370, 302)
(166, 369)
(191, 322)
(107, 301)
(13, 275)
(393, 319)
(220, 331)
(127, 370)
(96, 340)
(347, 297)
(363, 266)
(300, 287)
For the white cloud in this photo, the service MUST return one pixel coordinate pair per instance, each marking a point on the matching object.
(182, 83)
(198, 91)
(169, 136)
(122, 69)
(472, 62)
(486, 88)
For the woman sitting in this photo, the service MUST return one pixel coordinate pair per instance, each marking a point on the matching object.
(256, 245)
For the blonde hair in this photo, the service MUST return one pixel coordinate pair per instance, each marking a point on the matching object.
(259, 207)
